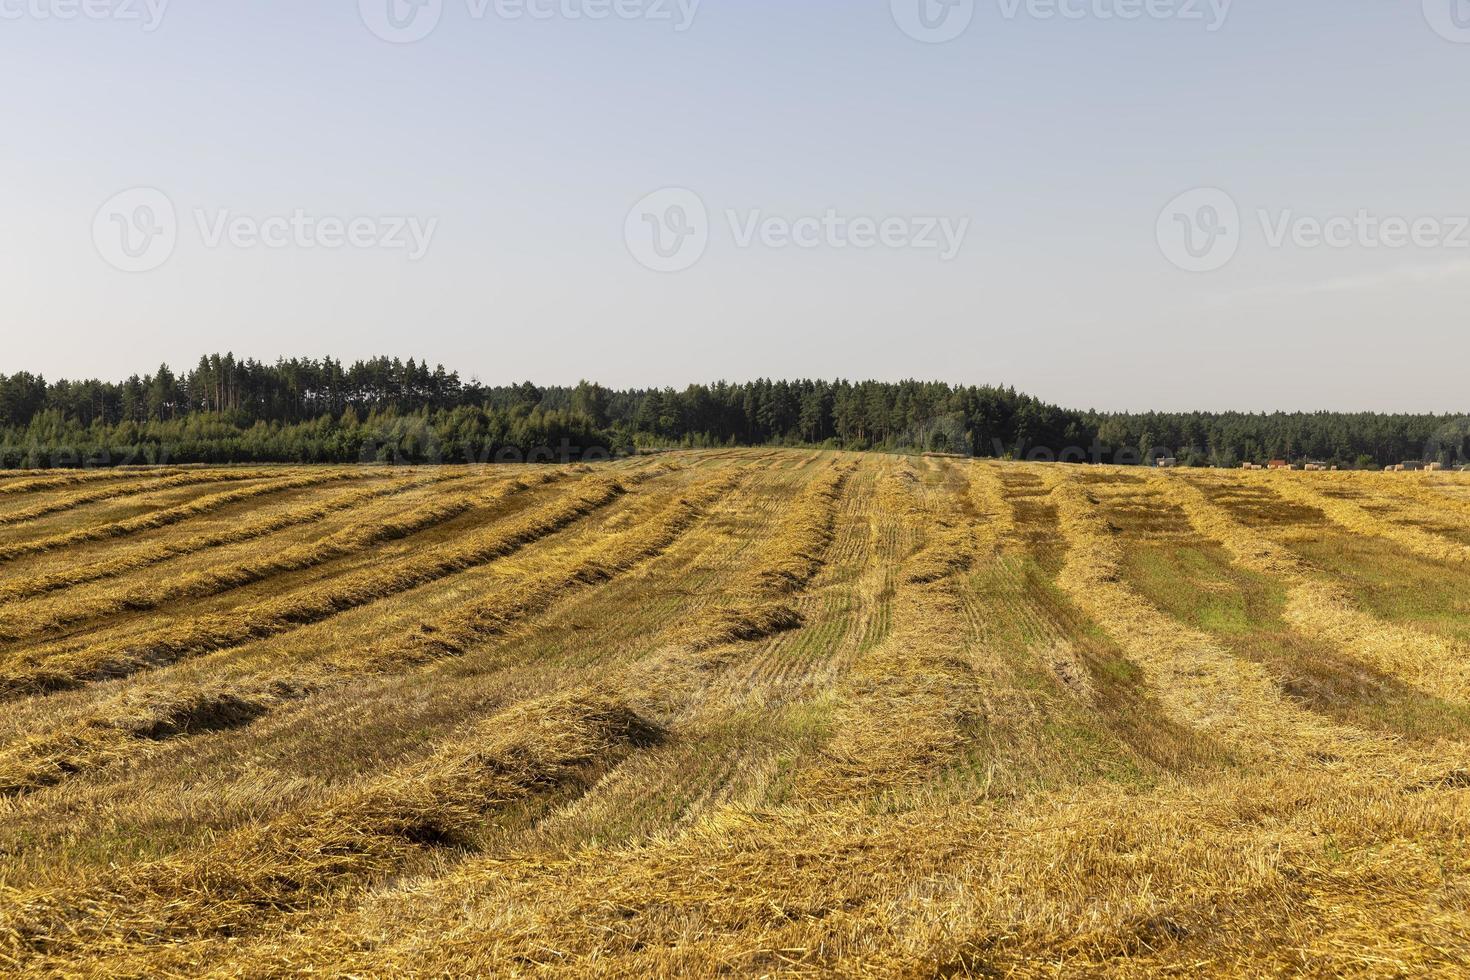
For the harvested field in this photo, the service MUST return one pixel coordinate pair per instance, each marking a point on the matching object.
(734, 713)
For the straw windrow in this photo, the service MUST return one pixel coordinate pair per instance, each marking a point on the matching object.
(1201, 684)
(373, 527)
(176, 547)
(245, 878)
(47, 670)
(1318, 608)
(745, 713)
(1359, 520)
(107, 492)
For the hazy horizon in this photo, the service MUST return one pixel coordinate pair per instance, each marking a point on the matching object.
(1118, 204)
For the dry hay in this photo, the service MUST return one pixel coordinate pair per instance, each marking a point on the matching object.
(249, 530)
(538, 797)
(371, 529)
(285, 865)
(786, 562)
(30, 482)
(498, 614)
(83, 498)
(1242, 875)
(1200, 684)
(1359, 520)
(42, 670)
(111, 731)
(908, 707)
(154, 520)
(1316, 607)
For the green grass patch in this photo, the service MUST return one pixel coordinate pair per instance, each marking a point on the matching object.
(1396, 585)
(1244, 611)
(1084, 711)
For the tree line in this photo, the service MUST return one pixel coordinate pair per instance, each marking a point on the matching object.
(388, 410)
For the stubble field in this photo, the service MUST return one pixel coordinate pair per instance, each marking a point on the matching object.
(734, 712)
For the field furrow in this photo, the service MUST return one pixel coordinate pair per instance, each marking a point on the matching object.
(1360, 520)
(1315, 607)
(371, 528)
(785, 565)
(477, 622)
(156, 553)
(241, 881)
(93, 494)
(744, 712)
(1062, 701)
(1203, 685)
(908, 706)
(58, 481)
(113, 730)
(39, 670)
(165, 517)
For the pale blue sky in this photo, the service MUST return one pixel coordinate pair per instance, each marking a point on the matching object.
(529, 141)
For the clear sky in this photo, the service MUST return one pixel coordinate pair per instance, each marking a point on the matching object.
(489, 175)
